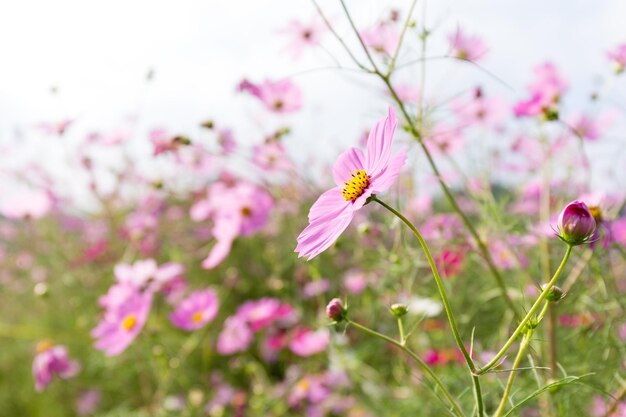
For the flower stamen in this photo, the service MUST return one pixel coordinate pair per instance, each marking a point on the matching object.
(356, 186)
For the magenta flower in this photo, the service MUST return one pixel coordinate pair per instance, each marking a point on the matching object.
(50, 361)
(618, 56)
(357, 177)
(235, 337)
(469, 48)
(119, 327)
(306, 342)
(277, 96)
(196, 310)
(576, 223)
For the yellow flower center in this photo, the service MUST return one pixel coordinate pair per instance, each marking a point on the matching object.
(246, 211)
(129, 322)
(43, 345)
(596, 213)
(197, 317)
(356, 185)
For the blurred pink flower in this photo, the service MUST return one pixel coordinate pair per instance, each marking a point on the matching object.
(618, 56)
(469, 48)
(444, 139)
(357, 176)
(303, 35)
(306, 342)
(236, 336)
(382, 38)
(88, 401)
(480, 110)
(278, 96)
(163, 142)
(271, 157)
(27, 205)
(545, 91)
(50, 361)
(355, 281)
(57, 128)
(315, 288)
(195, 311)
(120, 326)
(240, 209)
(263, 312)
(407, 93)
(146, 274)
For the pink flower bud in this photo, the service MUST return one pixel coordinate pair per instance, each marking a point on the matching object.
(335, 310)
(576, 223)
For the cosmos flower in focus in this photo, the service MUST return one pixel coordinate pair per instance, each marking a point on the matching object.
(357, 176)
(278, 96)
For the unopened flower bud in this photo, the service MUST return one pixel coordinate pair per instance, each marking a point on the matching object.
(576, 223)
(336, 311)
(555, 294)
(399, 310)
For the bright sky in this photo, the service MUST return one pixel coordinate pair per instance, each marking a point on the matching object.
(98, 53)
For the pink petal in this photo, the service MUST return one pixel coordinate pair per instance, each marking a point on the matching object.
(329, 203)
(348, 162)
(321, 234)
(379, 143)
(389, 174)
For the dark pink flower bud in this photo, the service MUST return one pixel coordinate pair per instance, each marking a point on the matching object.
(336, 311)
(576, 223)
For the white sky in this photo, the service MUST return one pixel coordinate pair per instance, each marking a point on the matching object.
(98, 52)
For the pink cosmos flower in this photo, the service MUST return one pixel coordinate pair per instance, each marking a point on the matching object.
(545, 90)
(618, 56)
(240, 209)
(120, 326)
(444, 139)
(278, 96)
(195, 311)
(261, 313)
(303, 35)
(272, 157)
(306, 342)
(382, 38)
(355, 281)
(407, 93)
(357, 177)
(480, 110)
(163, 142)
(469, 48)
(58, 128)
(146, 274)
(88, 402)
(236, 336)
(50, 361)
(27, 205)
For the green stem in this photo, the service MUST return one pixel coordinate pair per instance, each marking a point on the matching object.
(446, 303)
(509, 383)
(401, 330)
(532, 311)
(417, 360)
